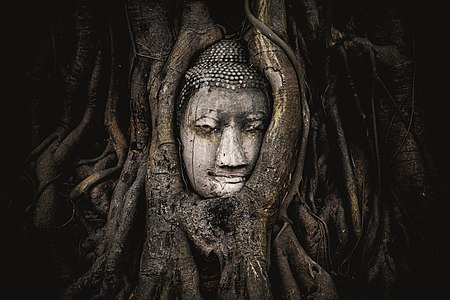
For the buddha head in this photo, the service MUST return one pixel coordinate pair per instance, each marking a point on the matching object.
(225, 109)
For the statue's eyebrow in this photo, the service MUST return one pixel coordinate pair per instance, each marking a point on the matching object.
(260, 115)
(208, 113)
(205, 117)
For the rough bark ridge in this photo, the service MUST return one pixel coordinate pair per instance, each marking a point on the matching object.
(342, 200)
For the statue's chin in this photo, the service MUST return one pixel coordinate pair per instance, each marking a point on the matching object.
(222, 189)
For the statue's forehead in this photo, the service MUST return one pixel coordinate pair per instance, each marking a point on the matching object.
(223, 100)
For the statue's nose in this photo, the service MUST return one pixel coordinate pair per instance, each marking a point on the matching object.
(230, 152)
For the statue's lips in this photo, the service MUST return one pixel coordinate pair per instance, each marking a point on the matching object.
(229, 177)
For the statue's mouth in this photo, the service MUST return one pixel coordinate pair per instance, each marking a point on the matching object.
(229, 177)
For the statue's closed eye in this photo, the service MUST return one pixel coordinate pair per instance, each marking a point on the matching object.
(254, 126)
(206, 125)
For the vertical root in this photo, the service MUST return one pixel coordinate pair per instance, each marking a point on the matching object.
(349, 176)
(299, 70)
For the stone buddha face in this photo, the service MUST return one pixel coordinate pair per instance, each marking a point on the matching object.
(225, 109)
(221, 132)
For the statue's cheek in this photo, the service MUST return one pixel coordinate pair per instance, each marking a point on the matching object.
(251, 144)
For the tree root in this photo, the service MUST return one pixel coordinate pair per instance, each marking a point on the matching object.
(300, 271)
(299, 70)
(92, 161)
(51, 160)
